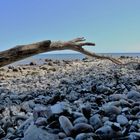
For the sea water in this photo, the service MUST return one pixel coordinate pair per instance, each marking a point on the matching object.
(40, 57)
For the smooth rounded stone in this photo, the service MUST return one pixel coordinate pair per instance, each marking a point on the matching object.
(41, 121)
(122, 120)
(116, 97)
(84, 136)
(111, 110)
(124, 103)
(86, 110)
(77, 115)
(96, 121)
(133, 95)
(36, 133)
(80, 120)
(106, 132)
(82, 128)
(66, 125)
(68, 138)
(134, 136)
(60, 108)
(62, 135)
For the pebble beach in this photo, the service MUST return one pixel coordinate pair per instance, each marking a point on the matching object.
(87, 99)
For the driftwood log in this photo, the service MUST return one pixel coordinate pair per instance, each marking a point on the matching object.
(23, 51)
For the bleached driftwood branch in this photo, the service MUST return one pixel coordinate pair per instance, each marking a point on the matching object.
(23, 51)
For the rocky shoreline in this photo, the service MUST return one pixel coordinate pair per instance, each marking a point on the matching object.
(70, 100)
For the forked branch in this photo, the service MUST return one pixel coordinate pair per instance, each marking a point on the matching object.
(23, 51)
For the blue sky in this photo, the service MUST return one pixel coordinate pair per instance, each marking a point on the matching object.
(114, 25)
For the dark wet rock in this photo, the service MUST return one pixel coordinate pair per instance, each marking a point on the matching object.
(116, 127)
(32, 63)
(95, 121)
(135, 110)
(36, 133)
(133, 95)
(122, 120)
(138, 67)
(82, 128)
(80, 120)
(84, 136)
(55, 99)
(106, 132)
(86, 110)
(66, 125)
(98, 99)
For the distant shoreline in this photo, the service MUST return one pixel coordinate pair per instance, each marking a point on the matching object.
(40, 59)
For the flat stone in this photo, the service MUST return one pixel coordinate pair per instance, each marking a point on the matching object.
(36, 133)
(133, 95)
(122, 120)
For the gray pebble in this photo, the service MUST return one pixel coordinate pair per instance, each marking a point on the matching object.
(95, 121)
(122, 120)
(66, 125)
(111, 110)
(116, 97)
(134, 95)
(80, 120)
